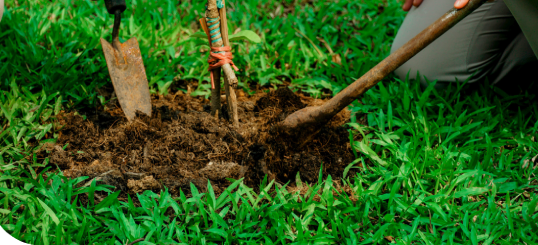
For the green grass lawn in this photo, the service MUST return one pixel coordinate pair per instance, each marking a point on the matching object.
(439, 167)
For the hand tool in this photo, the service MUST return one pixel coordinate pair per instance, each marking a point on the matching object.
(126, 67)
(303, 124)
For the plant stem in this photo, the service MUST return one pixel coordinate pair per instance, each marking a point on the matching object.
(229, 82)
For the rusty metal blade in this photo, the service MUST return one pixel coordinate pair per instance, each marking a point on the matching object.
(129, 79)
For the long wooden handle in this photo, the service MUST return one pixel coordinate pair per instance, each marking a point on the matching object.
(309, 120)
(398, 58)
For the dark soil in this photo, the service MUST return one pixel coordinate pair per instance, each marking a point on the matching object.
(182, 143)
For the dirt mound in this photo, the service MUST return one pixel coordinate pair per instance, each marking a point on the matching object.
(283, 99)
(181, 143)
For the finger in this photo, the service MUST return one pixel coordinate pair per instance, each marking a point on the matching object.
(407, 5)
(460, 4)
(417, 3)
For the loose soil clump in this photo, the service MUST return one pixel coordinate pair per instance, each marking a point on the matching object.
(181, 143)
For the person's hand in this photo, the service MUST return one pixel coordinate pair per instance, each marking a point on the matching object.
(460, 3)
(410, 3)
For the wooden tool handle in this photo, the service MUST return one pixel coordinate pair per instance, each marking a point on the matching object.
(113, 5)
(305, 123)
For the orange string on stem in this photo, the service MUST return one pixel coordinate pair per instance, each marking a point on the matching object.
(218, 56)
(216, 60)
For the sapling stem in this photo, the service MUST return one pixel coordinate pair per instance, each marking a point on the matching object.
(219, 40)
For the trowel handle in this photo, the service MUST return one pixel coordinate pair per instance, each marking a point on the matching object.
(113, 5)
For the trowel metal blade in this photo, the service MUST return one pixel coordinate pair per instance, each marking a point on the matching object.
(129, 79)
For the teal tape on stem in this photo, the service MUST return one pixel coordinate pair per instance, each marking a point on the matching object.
(216, 40)
(211, 20)
(216, 24)
(215, 33)
(220, 4)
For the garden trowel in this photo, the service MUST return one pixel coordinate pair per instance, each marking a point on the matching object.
(126, 67)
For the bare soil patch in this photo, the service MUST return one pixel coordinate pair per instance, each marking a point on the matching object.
(181, 143)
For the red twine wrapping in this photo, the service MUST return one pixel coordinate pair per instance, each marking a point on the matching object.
(217, 60)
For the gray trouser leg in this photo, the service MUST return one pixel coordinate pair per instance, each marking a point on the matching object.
(487, 43)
